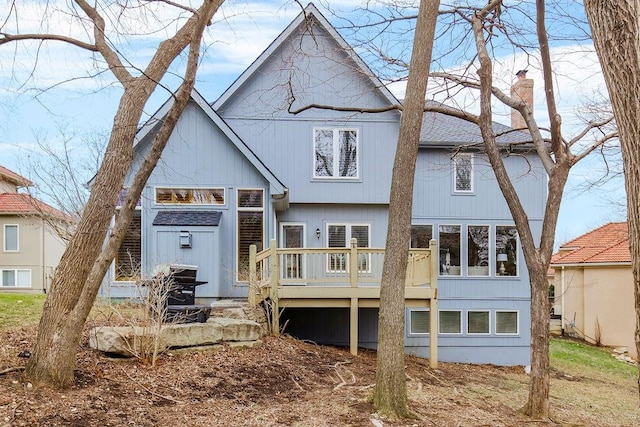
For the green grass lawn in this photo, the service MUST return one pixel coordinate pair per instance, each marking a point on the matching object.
(20, 309)
(576, 358)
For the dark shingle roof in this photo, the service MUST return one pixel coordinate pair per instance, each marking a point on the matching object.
(439, 129)
(188, 217)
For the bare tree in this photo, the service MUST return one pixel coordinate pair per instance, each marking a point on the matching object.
(390, 394)
(616, 35)
(60, 171)
(85, 260)
(556, 153)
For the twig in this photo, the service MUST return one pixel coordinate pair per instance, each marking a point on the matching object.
(296, 383)
(13, 369)
(343, 383)
(437, 379)
(151, 391)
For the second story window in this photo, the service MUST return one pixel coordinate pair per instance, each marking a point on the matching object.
(11, 238)
(335, 153)
(191, 196)
(463, 173)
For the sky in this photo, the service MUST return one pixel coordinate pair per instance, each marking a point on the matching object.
(52, 91)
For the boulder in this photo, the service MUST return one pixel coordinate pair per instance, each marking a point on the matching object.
(238, 329)
(137, 340)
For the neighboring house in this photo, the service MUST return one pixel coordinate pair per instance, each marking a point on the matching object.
(31, 247)
(593, 287)
(245, 171)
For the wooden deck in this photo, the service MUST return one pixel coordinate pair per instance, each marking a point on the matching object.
(340, 277)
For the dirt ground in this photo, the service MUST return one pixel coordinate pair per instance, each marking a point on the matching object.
(284, 382)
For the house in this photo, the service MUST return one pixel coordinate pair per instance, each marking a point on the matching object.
(593, 284)
(313, 186)
(31, 247)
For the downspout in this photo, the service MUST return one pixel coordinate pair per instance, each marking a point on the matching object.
(42, 264)
(562, 300)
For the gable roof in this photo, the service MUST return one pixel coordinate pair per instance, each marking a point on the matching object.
(24, 204)
(14, 178)
(308, 15)
(608, 244)
(276, 186)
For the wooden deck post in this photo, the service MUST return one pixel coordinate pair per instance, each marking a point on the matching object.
(273, 292)
(433, 307)
(253, 282)
(353, 264)
(353, 310)
(353, 327)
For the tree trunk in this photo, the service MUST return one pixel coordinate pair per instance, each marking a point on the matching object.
(537, 405)
(84, 263)
(390, 394)
(616, 35)
(53, 358)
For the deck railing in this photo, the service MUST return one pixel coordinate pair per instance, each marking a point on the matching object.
(340, 277)
(330, 267)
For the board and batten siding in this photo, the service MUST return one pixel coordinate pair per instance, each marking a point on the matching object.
(318, 216)
(434, 194)
(199, 155)
(309, 67)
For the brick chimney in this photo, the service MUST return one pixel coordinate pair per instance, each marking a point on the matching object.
(523, 90)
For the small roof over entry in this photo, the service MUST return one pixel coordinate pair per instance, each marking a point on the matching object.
(188, 217)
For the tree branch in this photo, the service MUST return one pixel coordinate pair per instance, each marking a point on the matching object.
(7, 38)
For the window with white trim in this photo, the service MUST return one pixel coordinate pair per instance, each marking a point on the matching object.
(507, 322)
(450, 321)
(292, 236)
(419, 322)
(449, 241)
(11, 238)
(128, 260)
(335, 153)
(339, 236)
(478, 322)
(15, 278)
(421, 236)
(463, 173)
(250, 226)
(506, 250)
(478, 250)
(191, 196)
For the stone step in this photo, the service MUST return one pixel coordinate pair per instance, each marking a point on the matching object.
(137, 340)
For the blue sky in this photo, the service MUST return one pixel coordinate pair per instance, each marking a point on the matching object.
(84, 105)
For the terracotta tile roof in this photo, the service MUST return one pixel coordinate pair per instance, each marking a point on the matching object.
(20, 203)
(606, 244)
(8, 175)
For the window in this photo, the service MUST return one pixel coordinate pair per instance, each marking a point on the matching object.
(336, 153)
(192, 196)
(478, 322)
(478, 250)
(450, 322)
(507, 322)
(449, 239)
(339, 236)
(11, 238)
(292, 236)
(463, 173)
(15, 278)
(506, 251)
(421, 235)
(128, 262)
(419, 322)
(250, 226)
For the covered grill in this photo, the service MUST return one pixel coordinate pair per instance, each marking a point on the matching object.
(181, 295)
